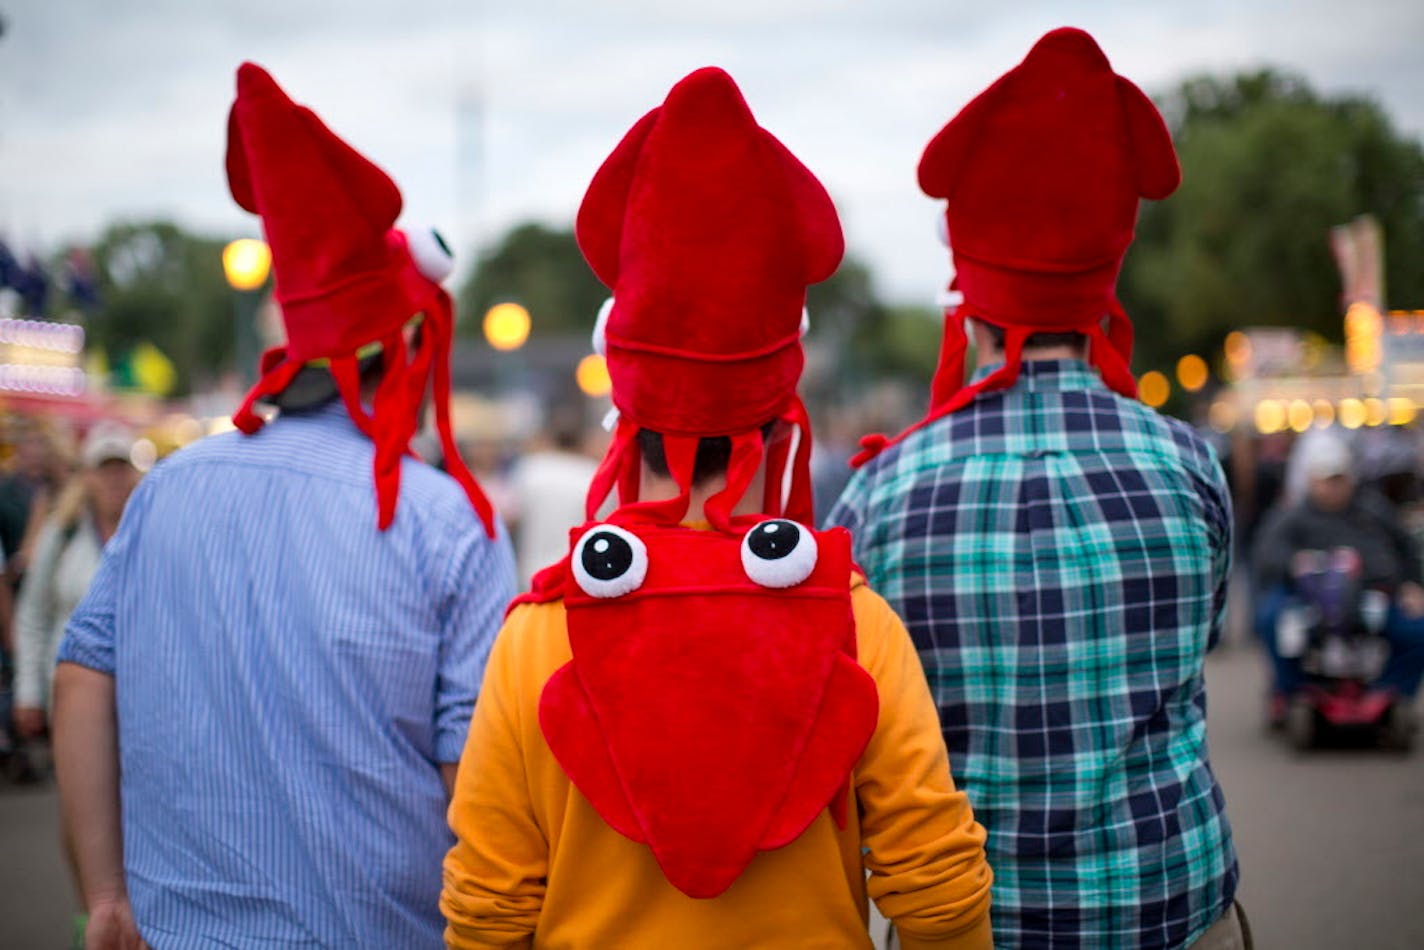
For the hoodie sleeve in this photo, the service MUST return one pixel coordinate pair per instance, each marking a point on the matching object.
(495, 875)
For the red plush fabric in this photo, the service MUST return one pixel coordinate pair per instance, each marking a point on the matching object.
(344, 277)
(1041, 175)
(705, 715)
(708, 231)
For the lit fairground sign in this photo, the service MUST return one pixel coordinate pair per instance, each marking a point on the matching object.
(41, 358)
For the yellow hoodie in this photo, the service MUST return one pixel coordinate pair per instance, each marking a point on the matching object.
(535, 865)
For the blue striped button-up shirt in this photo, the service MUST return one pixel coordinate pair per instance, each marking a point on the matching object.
(288, 680)
(1059, 555)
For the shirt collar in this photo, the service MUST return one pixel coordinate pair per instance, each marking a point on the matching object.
(1050, 376)
(331, 413)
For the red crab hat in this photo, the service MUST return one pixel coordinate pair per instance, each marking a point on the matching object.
(708, 230)
(1041, 175)
(345, 278)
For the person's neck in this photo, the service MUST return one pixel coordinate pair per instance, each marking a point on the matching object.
(657, 488)
(1033, 354)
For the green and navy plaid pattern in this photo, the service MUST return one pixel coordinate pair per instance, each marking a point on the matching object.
(1060, 554)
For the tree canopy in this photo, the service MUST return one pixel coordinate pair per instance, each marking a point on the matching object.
(164, 286)
(1268, 167)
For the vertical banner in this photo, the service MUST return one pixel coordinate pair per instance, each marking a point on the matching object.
(1359, 253)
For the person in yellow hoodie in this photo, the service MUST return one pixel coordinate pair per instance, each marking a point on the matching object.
(701, 728)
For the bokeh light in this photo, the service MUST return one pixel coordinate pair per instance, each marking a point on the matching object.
(1153, 389)
(1191, 372)
(1270, 416)
(246, 263)
(592, 376)
(506, 326)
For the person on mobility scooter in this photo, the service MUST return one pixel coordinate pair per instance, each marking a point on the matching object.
(1335, 572)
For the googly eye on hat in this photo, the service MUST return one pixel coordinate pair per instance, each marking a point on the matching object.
(778, 553)
(609, 561)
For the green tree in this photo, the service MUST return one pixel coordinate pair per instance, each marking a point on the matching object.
(542, 269)
(870, 339)
(161, 284)
(1268, 167)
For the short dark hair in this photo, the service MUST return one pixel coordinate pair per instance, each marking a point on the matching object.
(1069, 338)
(713, 453)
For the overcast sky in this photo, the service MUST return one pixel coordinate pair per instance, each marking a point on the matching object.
(491, 113)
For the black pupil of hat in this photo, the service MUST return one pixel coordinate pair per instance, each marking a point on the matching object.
(440, 240)
(774, 540)
(607, 556)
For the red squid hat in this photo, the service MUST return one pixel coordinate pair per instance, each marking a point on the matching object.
(345, 278)
(1041, 174)
(708, 230)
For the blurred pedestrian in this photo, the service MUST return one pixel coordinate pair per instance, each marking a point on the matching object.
(39, 469)
(260, 702)
(549, 483)
(1058, 550)
(85, 515)
(701, 728)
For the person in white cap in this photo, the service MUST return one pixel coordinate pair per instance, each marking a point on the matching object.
(1335, 513)
(85, 516)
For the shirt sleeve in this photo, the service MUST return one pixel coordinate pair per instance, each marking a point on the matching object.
(89, 634)
(34, 621)
(924, 850)
(495, 875)
(849, 510)
(479, 586)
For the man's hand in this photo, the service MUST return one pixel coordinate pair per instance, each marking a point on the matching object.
(1411, 599)
(29, 721)
(112, 927)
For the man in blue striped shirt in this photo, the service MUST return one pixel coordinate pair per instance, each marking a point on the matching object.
(1058, 551)
(261, 701)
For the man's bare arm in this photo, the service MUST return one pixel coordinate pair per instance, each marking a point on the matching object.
(86, 763)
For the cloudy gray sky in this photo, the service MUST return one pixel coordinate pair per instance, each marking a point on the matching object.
(490, 113)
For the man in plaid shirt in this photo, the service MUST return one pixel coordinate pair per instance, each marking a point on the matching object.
(1058, 551)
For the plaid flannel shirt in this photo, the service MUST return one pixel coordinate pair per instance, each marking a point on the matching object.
(1060, 556)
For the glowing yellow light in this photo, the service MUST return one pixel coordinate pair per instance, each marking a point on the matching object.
(246, 263)
(1352, 413)
(1270, 416)
(1375, 413)
(1300, 415)
(1191, 372)
(1222, 416)
(1363, 324)
(1153, 389)
(1361, 319)
(506, 326)
(1401, 411)
(1324, 412)
(1238, 349)
(592, 376)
